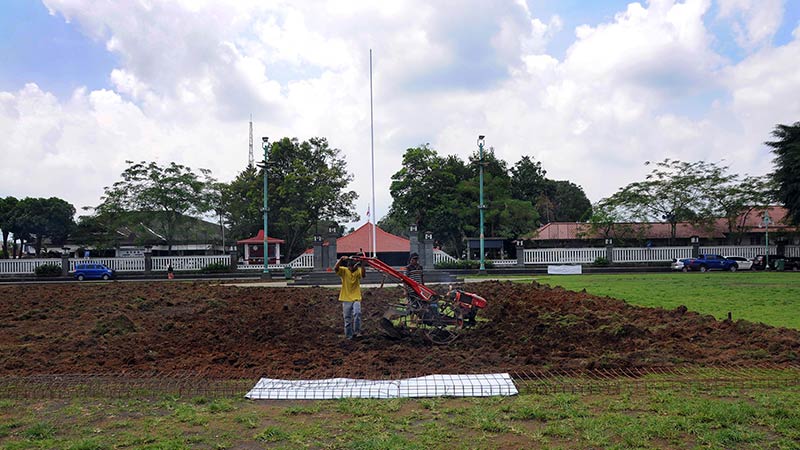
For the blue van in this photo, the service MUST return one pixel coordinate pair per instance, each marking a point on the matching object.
(93, 271)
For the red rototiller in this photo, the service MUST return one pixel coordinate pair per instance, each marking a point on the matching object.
(440, 317)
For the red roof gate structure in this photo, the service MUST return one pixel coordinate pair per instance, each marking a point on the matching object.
(392, 249)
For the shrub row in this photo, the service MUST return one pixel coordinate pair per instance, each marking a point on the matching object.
(48, 270)
(463, 264)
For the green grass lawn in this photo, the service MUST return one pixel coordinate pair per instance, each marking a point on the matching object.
(686, 418)
(772, 298)
(692, 416)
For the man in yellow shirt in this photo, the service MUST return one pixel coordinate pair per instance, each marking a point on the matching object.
(351, 272)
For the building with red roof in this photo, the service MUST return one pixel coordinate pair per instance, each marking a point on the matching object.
(361, 239)
(747, 229)
(391, 249)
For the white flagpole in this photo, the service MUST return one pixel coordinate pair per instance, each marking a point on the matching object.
(372, 147)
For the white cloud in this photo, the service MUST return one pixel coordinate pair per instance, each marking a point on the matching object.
(644, 86)
(754, 22)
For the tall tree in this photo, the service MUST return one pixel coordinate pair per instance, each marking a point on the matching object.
(424, 192)
(554, 200)
(787, 167)
(607, 220)
(43, 218)
(441, 194)
(528, 180)
(171, 192)
(570, 203)
(307, 185)
(734, 198)
(504, 216)
(8, 218)
(243, 199)
(674, 191)
(94, 230)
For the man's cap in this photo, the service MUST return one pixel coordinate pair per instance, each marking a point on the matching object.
(414, 255)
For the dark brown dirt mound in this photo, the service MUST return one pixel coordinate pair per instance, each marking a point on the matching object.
(296, 332)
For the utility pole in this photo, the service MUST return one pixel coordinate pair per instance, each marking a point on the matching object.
(264, 164)
(481, 206)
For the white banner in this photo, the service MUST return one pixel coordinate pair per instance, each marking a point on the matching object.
(564, 270)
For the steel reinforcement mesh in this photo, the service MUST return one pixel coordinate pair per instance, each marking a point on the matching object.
(189, 385)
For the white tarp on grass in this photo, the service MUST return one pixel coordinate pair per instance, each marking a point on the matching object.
(485, 385)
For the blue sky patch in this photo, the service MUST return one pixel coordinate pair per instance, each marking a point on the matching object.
(36, 47)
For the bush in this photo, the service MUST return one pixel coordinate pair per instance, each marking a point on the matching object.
(216, 268)
(48, 270)
(601, 261)
(463, 264)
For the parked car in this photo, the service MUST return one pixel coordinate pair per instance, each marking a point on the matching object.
(677, 264)
(744, 263)
(789, 262)
(93, 271)
(704, 263)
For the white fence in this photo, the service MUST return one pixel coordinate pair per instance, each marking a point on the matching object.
(185, 263)
(18, 266)
(118, 264)
(306, 260)
(440, 256)
(503, 262)
(651, 254)
(747, 251)
(160, 263)
(563, 255)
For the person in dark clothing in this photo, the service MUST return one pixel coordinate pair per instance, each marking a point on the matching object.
(414, 269)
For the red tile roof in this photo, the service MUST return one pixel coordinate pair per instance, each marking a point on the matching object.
(259, 239)
(751, 219)
(361, 239)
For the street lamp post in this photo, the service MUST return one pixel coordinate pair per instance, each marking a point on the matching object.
(481, 206)
(263, 165)
(766, 221)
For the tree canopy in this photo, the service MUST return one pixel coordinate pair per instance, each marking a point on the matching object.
(695, 192)
(8, 219)
(307, 185)
(554, 200)
(786, 148)
(173, 192)
(441, 194)
(41, 218)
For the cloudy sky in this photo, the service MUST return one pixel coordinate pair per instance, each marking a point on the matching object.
(592, 89)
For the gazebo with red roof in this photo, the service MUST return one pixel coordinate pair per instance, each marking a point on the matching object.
(254, 248)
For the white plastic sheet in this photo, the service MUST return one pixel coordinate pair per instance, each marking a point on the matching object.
(564, 270)
(485, 385)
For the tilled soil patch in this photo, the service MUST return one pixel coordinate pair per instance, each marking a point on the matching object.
(226, 331)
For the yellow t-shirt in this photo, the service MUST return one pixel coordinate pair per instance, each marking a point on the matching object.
(351, 284)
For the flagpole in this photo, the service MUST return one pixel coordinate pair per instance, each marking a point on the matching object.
(372, 148)
(369, 246)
